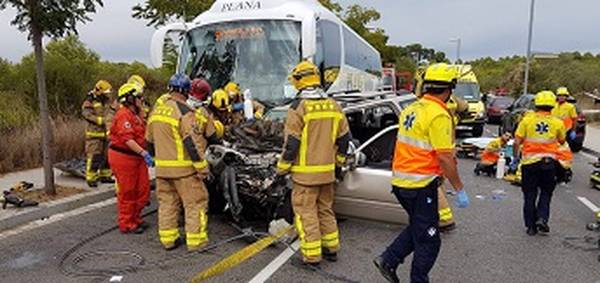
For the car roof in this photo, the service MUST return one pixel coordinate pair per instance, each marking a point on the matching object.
(360, 103)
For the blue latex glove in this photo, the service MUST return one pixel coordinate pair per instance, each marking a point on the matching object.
(238, 107)
(148, 159)
(572, 135)
(462, 199)
(514, 165)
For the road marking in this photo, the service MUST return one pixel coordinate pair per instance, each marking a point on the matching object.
(585, 154)
(277, 263)
(56, 217)
(589, 204)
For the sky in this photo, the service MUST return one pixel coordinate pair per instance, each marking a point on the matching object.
(493, 28)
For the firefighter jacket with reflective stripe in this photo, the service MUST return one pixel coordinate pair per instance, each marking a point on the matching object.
(177, 139)
(425, 129)
(541, 134)
(93, 111)
(316, 139)
(565, 155)
(491, 154)
(567, 113)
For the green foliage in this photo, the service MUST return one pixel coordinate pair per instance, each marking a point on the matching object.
(159, 12)
(52, 18)
(14, 111)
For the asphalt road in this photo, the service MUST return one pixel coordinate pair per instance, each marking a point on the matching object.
(489, 245)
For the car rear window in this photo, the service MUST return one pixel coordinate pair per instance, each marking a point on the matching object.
(502, 102)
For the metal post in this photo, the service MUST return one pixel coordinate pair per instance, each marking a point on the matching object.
(458, 42)
(528, 58)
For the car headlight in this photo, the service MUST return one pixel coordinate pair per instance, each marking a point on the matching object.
(480, 115)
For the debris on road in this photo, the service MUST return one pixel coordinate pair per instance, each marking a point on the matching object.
(74, 167)
(23, 194)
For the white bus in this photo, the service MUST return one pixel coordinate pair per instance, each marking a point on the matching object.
(256, 43)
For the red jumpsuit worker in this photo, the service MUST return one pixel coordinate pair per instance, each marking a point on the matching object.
(129, 159)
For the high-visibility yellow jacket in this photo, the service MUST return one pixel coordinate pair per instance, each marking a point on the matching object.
(541, 133)
(566, 112)
(93, 111)
(317, 136)
(426, 128)
(177, 136)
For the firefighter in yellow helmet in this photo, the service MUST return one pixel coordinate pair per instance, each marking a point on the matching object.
(317, 136)
(565, 111)
(540, 135)
(424, 153)
(178, 142)
(93, 111)
(220, 108)
(237, 103)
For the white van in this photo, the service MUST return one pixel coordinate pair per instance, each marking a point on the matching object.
(257, 43)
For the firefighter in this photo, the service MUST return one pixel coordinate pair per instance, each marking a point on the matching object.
(129, 159)
(491, 155)
(199, 92)
(237, 101)
(93, 111)
(178, 141)
(540, 134)
(220, 108)
(424, 153)
(141, 83)
(566, 112)
(317, 137)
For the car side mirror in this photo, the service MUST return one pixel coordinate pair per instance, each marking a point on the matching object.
(361, 159)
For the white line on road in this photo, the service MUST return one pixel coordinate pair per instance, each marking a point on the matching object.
(274, 265)
(589, 204)
(56, 218)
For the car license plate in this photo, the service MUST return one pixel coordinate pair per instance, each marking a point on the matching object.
(464, 128)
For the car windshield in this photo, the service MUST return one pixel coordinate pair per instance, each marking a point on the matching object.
(467, 91)
(502, 102)
(258, 55)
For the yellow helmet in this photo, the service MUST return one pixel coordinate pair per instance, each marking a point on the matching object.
(562, 91)
(128, 89)
(441, 73)
(545, 98)
(137, 79)
(102, 87)
(232, 89)
(220, 129)
(305, 75)
(220, 99)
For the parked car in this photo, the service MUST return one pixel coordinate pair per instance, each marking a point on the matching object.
(497, 107)
(525, 103)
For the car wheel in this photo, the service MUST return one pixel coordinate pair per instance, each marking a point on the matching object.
(477, 131)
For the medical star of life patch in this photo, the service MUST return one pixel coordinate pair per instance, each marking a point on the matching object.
(432, 231)
(409, 120)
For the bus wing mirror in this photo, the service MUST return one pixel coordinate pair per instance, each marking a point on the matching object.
(157, 45)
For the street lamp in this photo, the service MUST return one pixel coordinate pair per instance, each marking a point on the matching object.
(458, 42)
(528, 58)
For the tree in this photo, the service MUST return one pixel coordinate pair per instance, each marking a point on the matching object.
(55, 19)
(159, 12)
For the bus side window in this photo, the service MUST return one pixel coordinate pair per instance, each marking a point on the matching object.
(329, 48)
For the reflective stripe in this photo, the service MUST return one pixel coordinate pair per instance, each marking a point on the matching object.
(196, 239)
(200, 165)
(308, 117)
(331, 240)
(538, 155)
(173, 163)
(445, 214)
(90, 134)
(541, 140)
(281, 165)
(309, 249)
(169, 236)
(340, 158)
(414, 142)
(414, 176)
(97, 105)
(99, 120)
(89, 175)
(313, 168)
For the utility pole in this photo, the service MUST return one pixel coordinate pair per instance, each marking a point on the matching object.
(458, 43)
(528, 58)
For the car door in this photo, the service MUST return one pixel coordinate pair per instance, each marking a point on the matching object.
(366, 190)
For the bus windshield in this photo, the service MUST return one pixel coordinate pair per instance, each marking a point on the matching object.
(467, 91)
(256, 54)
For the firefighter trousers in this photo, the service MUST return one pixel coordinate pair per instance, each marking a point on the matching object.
(421, 236)
(315, 220)
(539, 179)
(446, 217)
(172, 193)
(133, 180)
(97, 165)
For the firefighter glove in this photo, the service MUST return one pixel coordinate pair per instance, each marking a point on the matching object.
(148, 159)
(514, 165)
(462, 199)
(572, 135)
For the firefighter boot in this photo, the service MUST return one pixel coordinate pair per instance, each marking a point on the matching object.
(329, 255)
(386, 271)
(107, 180)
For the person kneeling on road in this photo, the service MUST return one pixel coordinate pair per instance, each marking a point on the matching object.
(129, 159)
(178, 142)
(317, 137)
(491, 154)
(424, 153)
(540, 134)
